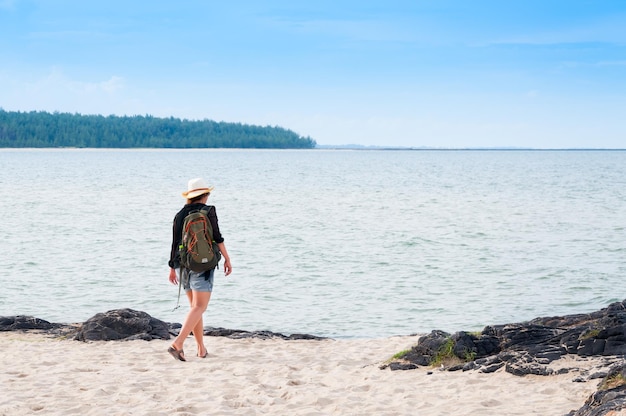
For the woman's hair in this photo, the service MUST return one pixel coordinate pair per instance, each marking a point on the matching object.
(198, 198)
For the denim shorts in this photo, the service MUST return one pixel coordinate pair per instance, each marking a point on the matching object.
(199, 282)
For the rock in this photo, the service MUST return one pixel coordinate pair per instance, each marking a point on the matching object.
(401, 366)
(492, 368)
(486, 345)
(305, 336)
(610, 399)
(530, 347)
(122, 324)
(23, 322)
(128, 324)
(30, 323)
(521, 336)
(241, 334)
(463, 344)
(524, 364)
(472, 365)
(427, 348)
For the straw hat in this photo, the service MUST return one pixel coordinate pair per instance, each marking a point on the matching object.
(196, 187)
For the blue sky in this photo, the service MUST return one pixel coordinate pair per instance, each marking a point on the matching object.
(440, 73)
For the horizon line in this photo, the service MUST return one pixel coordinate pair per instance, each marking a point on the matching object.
(507, 148)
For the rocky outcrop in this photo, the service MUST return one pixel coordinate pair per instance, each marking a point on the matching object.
(24, 323)
(240, 334)
(128, 324)
(30, 323)
(531, 348)
(122, 324)
(524, 348)
(610, 399)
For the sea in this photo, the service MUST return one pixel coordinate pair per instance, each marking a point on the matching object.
(336, 243)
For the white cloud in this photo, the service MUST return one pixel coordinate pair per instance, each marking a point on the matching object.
(110, 86)
(56, 82)
(55, 91)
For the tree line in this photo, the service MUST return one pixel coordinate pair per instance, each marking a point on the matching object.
(43, 129)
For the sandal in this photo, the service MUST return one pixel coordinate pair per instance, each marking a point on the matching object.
(177, 354)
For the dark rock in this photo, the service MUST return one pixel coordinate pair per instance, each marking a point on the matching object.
(529, 348)
(598, 374)
(507, 356)
(122, 324)
(23, 323)
(222, 332)
(525, 364)
(544, 340)
(520, 336)
(492, 368)
(402, 366)
(241, 334)
(472, 365)
(547, 354)
(463, 344)
(610, 397)
(614, 346)
(591, 346)
(174, 328)
(30, 323)
(427, 348)
(456, 367)
(433, 342)
(128, 324)
(487, 345)
(305, 336)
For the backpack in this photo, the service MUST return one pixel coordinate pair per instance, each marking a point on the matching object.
(198, 252)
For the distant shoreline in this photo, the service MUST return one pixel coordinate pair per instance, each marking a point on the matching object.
(330, 147)
(456, 149)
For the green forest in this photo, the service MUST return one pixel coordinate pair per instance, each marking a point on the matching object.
(43, 129)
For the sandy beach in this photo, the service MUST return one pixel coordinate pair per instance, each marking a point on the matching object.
(43, 375)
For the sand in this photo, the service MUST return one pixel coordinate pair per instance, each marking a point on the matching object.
(46, 376)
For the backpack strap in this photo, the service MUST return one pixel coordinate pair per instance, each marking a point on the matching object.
(183, 273)
(206, 211)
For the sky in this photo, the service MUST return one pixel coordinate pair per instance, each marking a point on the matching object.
(438, 73)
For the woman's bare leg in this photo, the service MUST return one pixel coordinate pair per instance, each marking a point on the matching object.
(193, 322)
(198, 330)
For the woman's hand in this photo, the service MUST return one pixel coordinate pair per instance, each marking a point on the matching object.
(227, 267)
(173, 278)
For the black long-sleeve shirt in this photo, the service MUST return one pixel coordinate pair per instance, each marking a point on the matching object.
(177, 234)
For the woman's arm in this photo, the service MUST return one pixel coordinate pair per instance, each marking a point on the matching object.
(227, 267)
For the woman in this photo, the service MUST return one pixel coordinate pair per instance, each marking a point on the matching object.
(198, 286)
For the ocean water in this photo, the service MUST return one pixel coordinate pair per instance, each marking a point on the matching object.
(336, 243)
